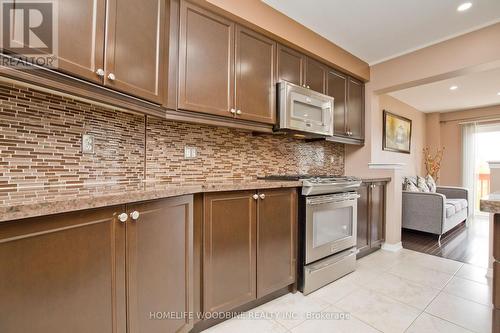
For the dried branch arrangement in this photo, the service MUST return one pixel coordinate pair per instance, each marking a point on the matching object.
(433, 162)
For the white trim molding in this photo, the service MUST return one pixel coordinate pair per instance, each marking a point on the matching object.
(494, 164)
(386, 166)
(392, 247)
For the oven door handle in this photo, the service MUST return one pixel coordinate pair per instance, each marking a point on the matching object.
(326, 200)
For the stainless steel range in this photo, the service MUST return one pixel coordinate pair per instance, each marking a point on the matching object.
(327, 228)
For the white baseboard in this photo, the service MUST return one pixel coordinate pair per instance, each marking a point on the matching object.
(392, 247)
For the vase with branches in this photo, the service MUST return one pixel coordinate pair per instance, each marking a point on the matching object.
(433, 162)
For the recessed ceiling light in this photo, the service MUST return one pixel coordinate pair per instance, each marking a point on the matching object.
(498, 93)
(453, 87)
(463, 7)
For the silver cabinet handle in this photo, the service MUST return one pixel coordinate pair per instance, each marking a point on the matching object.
(233, 111)
(255, 196)
(238, 112)
(123, 217)
(262, 196)
(111, 76)
(134, 215)
(100, 72)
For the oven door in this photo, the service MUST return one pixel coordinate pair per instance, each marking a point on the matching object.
(330, 224)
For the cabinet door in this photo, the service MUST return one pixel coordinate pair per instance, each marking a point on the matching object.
(355, 109)
(135, 57)
(206, 61)
(363, 226)
(290, 65)
(276, 240)
(255, 76)
(337, 88)
(315, 75)
(65, 272)
(82, 21)
(229, 250)
(377, 214)
(160, 264)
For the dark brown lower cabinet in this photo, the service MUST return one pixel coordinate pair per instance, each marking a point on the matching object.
(371, 217)
(276, 240)
(89, 272)
(249, 247)
(160, 265)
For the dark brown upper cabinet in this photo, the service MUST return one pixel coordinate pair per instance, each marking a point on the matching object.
(316, 76)
(276, 240)
(337, 88)
(348, 94)
(225, 69)
(206, 61)
(371, 217)
(80, 43)
(355, 109)
(135, 48)
(291, 65)
(119, 43)
(229, 251)
(82, 21)
(255, 76)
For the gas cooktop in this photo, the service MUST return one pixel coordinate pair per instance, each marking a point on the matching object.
(321, 184)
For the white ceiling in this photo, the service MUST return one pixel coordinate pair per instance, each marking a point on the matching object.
(377, 30)
(474, 90)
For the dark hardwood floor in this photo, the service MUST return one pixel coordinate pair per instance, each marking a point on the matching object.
(465, 244)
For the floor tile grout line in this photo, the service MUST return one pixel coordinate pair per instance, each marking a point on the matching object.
(451, 322)
(467, 299)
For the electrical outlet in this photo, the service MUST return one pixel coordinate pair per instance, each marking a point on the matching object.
(87, 144)
(190, 152)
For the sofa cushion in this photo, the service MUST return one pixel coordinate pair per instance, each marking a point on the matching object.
(422, 185)
(450, 210)
(459, 204)
(430, 183)
(409, 186)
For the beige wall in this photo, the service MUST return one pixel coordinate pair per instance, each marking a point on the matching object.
(448, 135)
(414, 161)
(267, 18)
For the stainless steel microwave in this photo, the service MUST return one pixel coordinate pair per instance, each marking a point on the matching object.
(304, 110)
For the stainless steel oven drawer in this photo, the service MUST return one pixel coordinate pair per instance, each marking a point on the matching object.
(325, 271)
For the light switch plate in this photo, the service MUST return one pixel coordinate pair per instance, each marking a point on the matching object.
(190, 152)
(87, 144)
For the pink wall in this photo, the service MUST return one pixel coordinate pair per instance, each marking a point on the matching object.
(472, 52)
(414, 161)
(449, 135)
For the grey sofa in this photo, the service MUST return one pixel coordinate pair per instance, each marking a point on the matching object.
(435, 213)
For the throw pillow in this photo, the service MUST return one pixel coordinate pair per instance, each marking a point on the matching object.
(409, 186)
(421, 184)
(430, 183)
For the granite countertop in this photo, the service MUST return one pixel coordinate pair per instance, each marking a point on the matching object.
(19, 203)
(491, 203)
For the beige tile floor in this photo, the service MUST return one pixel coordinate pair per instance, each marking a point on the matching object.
(389, 292)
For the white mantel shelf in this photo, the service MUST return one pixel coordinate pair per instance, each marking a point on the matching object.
(386, 166)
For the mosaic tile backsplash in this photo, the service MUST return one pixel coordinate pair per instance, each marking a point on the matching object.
(40, 145)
